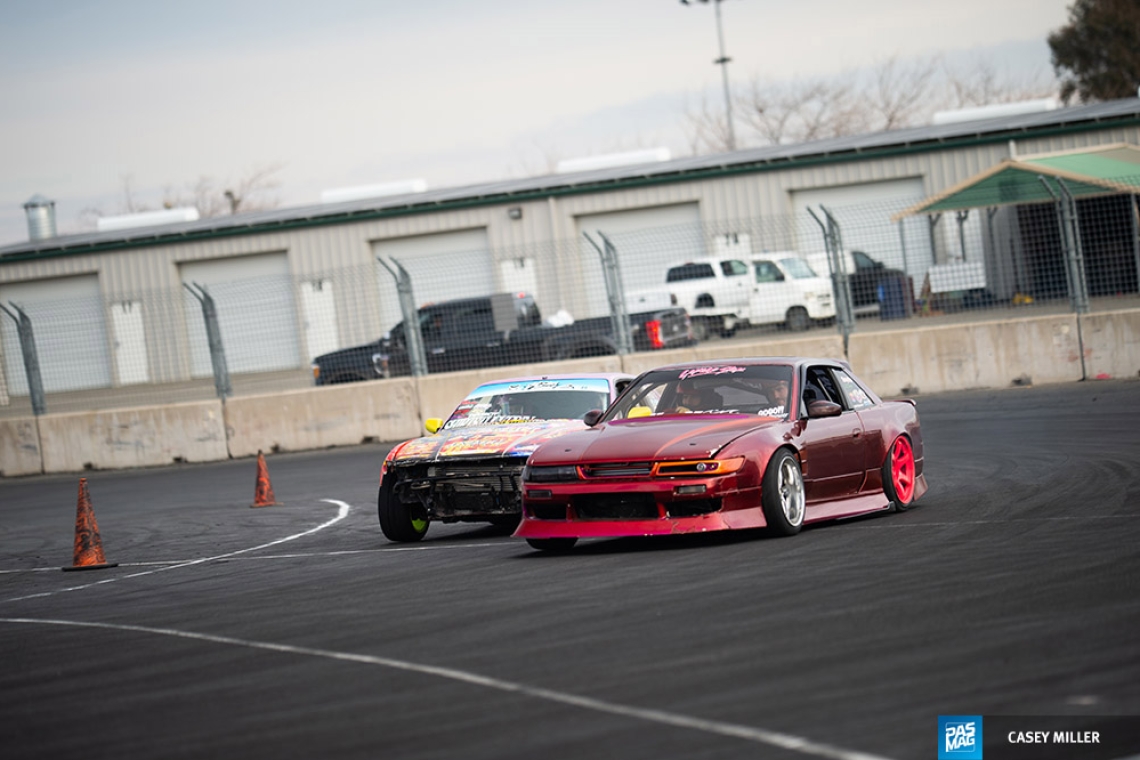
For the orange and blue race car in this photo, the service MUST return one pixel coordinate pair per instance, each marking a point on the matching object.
(468, 468)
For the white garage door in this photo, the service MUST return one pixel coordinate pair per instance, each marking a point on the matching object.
(70, 330)
(648, 242)
(864, 214)
(442, 266)
(256, 313)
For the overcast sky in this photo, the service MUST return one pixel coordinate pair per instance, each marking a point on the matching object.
(340, 93)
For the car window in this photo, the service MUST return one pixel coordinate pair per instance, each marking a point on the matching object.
(766, 271)
(503, 403)
(862, 260)
(760, 390)
(798, 268)
(733, 268)
(857, 398)
(690, 272)
(820, 386)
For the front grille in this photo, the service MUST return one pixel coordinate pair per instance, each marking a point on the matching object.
(617, 469)
(616, 506)
(461, 489)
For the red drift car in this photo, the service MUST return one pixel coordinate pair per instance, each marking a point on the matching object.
(742, 443)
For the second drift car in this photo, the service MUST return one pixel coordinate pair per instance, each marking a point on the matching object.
(469, 468)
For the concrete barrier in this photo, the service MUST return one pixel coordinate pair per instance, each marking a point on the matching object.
(1112, 344)
(996, 354)
(317, 418)
(20, 447)
(918, 359)
(137, 437)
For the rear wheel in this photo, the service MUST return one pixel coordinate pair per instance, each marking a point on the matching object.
(899, 474)
(399, 521)
(552, 544)
(797, 319)
(782, 494)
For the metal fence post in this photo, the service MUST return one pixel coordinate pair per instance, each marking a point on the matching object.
(1077, 258)
(213, 339)
(1070, 230)
(31, 358)
(840, 282)
(615, 291)
(417, 358)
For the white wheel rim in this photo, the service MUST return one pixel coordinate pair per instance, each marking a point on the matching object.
(791, 491)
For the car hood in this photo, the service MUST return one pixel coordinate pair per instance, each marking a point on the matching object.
(517, 440)
(653, 438)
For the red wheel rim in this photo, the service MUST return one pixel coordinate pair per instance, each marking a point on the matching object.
(902, 470)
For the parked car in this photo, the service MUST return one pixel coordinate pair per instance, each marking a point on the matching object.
(468, 467)
(772, 443)
(786, 290)
(864, 273)
(714, 291)
(494, 331)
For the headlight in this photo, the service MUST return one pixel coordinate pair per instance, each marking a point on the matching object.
(559, 474)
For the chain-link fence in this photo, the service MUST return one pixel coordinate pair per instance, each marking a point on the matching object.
(855, 267)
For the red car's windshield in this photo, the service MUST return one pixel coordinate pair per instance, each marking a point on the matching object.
(761, 390)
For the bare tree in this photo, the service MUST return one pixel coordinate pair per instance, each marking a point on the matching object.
(982, 84)
(706, 128)
(891, 95)
(250, 192)
(897, 92)
(801, 110)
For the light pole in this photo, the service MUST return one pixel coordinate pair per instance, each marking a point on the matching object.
(723, 63)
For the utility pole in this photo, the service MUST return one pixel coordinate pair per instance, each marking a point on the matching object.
(723, 63)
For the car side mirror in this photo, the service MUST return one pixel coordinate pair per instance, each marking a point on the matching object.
(822, 408)
(591, 417)
(433, 424)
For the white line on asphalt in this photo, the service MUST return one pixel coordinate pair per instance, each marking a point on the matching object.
(341, 514)
(748, 733)
(164, 564)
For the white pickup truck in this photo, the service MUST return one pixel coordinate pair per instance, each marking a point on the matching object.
(715, 292)
(722, 294)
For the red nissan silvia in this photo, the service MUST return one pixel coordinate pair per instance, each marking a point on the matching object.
(743, 443)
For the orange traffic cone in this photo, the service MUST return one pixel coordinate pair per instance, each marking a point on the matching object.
(263, 493)
(88, 545)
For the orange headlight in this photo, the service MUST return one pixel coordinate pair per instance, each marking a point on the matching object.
(699, 467)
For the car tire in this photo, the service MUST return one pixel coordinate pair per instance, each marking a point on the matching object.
(797, 319)
(899, 474)
(396, 518)
(700, 329)
(552, 545)
(782, 494)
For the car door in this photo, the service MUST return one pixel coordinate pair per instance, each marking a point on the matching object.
(771, 293)
(737, 286)
(834, 451)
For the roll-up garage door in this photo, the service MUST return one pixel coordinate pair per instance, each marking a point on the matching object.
(70, 328)
(864, 214)
(442, 266)
(648, 241)
(256, 313)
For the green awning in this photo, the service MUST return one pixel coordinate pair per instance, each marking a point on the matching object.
(1104, 170)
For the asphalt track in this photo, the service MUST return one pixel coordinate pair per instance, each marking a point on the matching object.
(298, 631)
